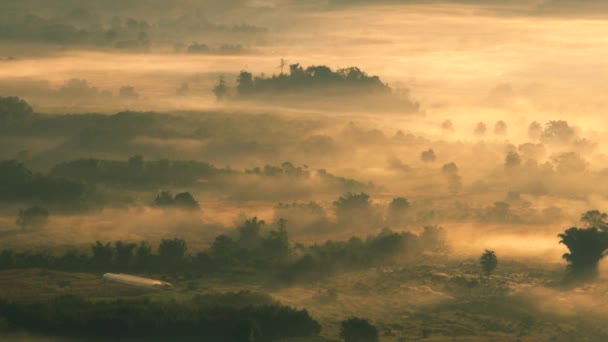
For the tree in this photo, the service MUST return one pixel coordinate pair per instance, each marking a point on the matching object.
(185, 200)
(103, 254)
(172, 249)
(223, 249)
(450, 170)
(276, 244)
(354, 209)
(586, 246)
(488, 262)
(124, 253)
(535, 131)
(428, 156)
(14, 110)
(164, 198)
(595, 218)
(512, 160)
(220, 90)
(128, 93)
(249, 233)
(244, 84)
(480, 129)
(447, 126)
(35, 217)
(358, 330)
(569, 163)
(397, 210)
(558, 131)
(500, 128)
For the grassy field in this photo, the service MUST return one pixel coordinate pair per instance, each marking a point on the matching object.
(435, 300)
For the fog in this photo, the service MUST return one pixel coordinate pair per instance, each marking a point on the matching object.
(365, 159)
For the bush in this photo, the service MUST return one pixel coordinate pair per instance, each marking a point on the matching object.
(358, 330)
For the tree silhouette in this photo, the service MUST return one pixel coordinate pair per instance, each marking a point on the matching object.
(172, 249)
(397, 210)
(358, 330)
(595, 218)
(480, 129)
(14, 110)
(428, 156)
(512, 160)
(220, 90)
(535, 131)
(488, 262)
(103, 254)
(587, 246)
(35, 217)
(354, 209)
(185, 200)
(124, 253)
(500, 128)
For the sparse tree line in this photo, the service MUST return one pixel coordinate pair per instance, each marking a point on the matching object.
(242, 316)
(251, 246)
(315, 80)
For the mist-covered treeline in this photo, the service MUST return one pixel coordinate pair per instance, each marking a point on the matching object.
(252, 246)
(221, 317)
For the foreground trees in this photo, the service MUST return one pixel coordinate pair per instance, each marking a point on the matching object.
(358, 330)
(587, 246)
(488, 262)
(35, 217)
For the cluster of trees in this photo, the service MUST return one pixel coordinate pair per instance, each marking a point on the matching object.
(312, 79)
(251, 246)
(198, 48)
(79, 27)
(183, 200)
(35, 217)
(586, 245)
(228, 317)
(18, 183)
(136, 171)
(14, 111)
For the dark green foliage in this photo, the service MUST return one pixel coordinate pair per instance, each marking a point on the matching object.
(124, 253)
(221, 89)
(183, 200)
(245, 316)
(14, 111)
(355, 210)
(512, 160)
(103, 255)
(164, 199)
(558, 131)
(318, 80)
(17, 183)
(488, 262)
(398, 211)
(587, 246)
(172, 249)
(500, 128)
(333, 256)
(595, 218)
(267, 252)
(358, 330)
(428, 156)
(35, 217)
(135, 172)
(310, 217)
